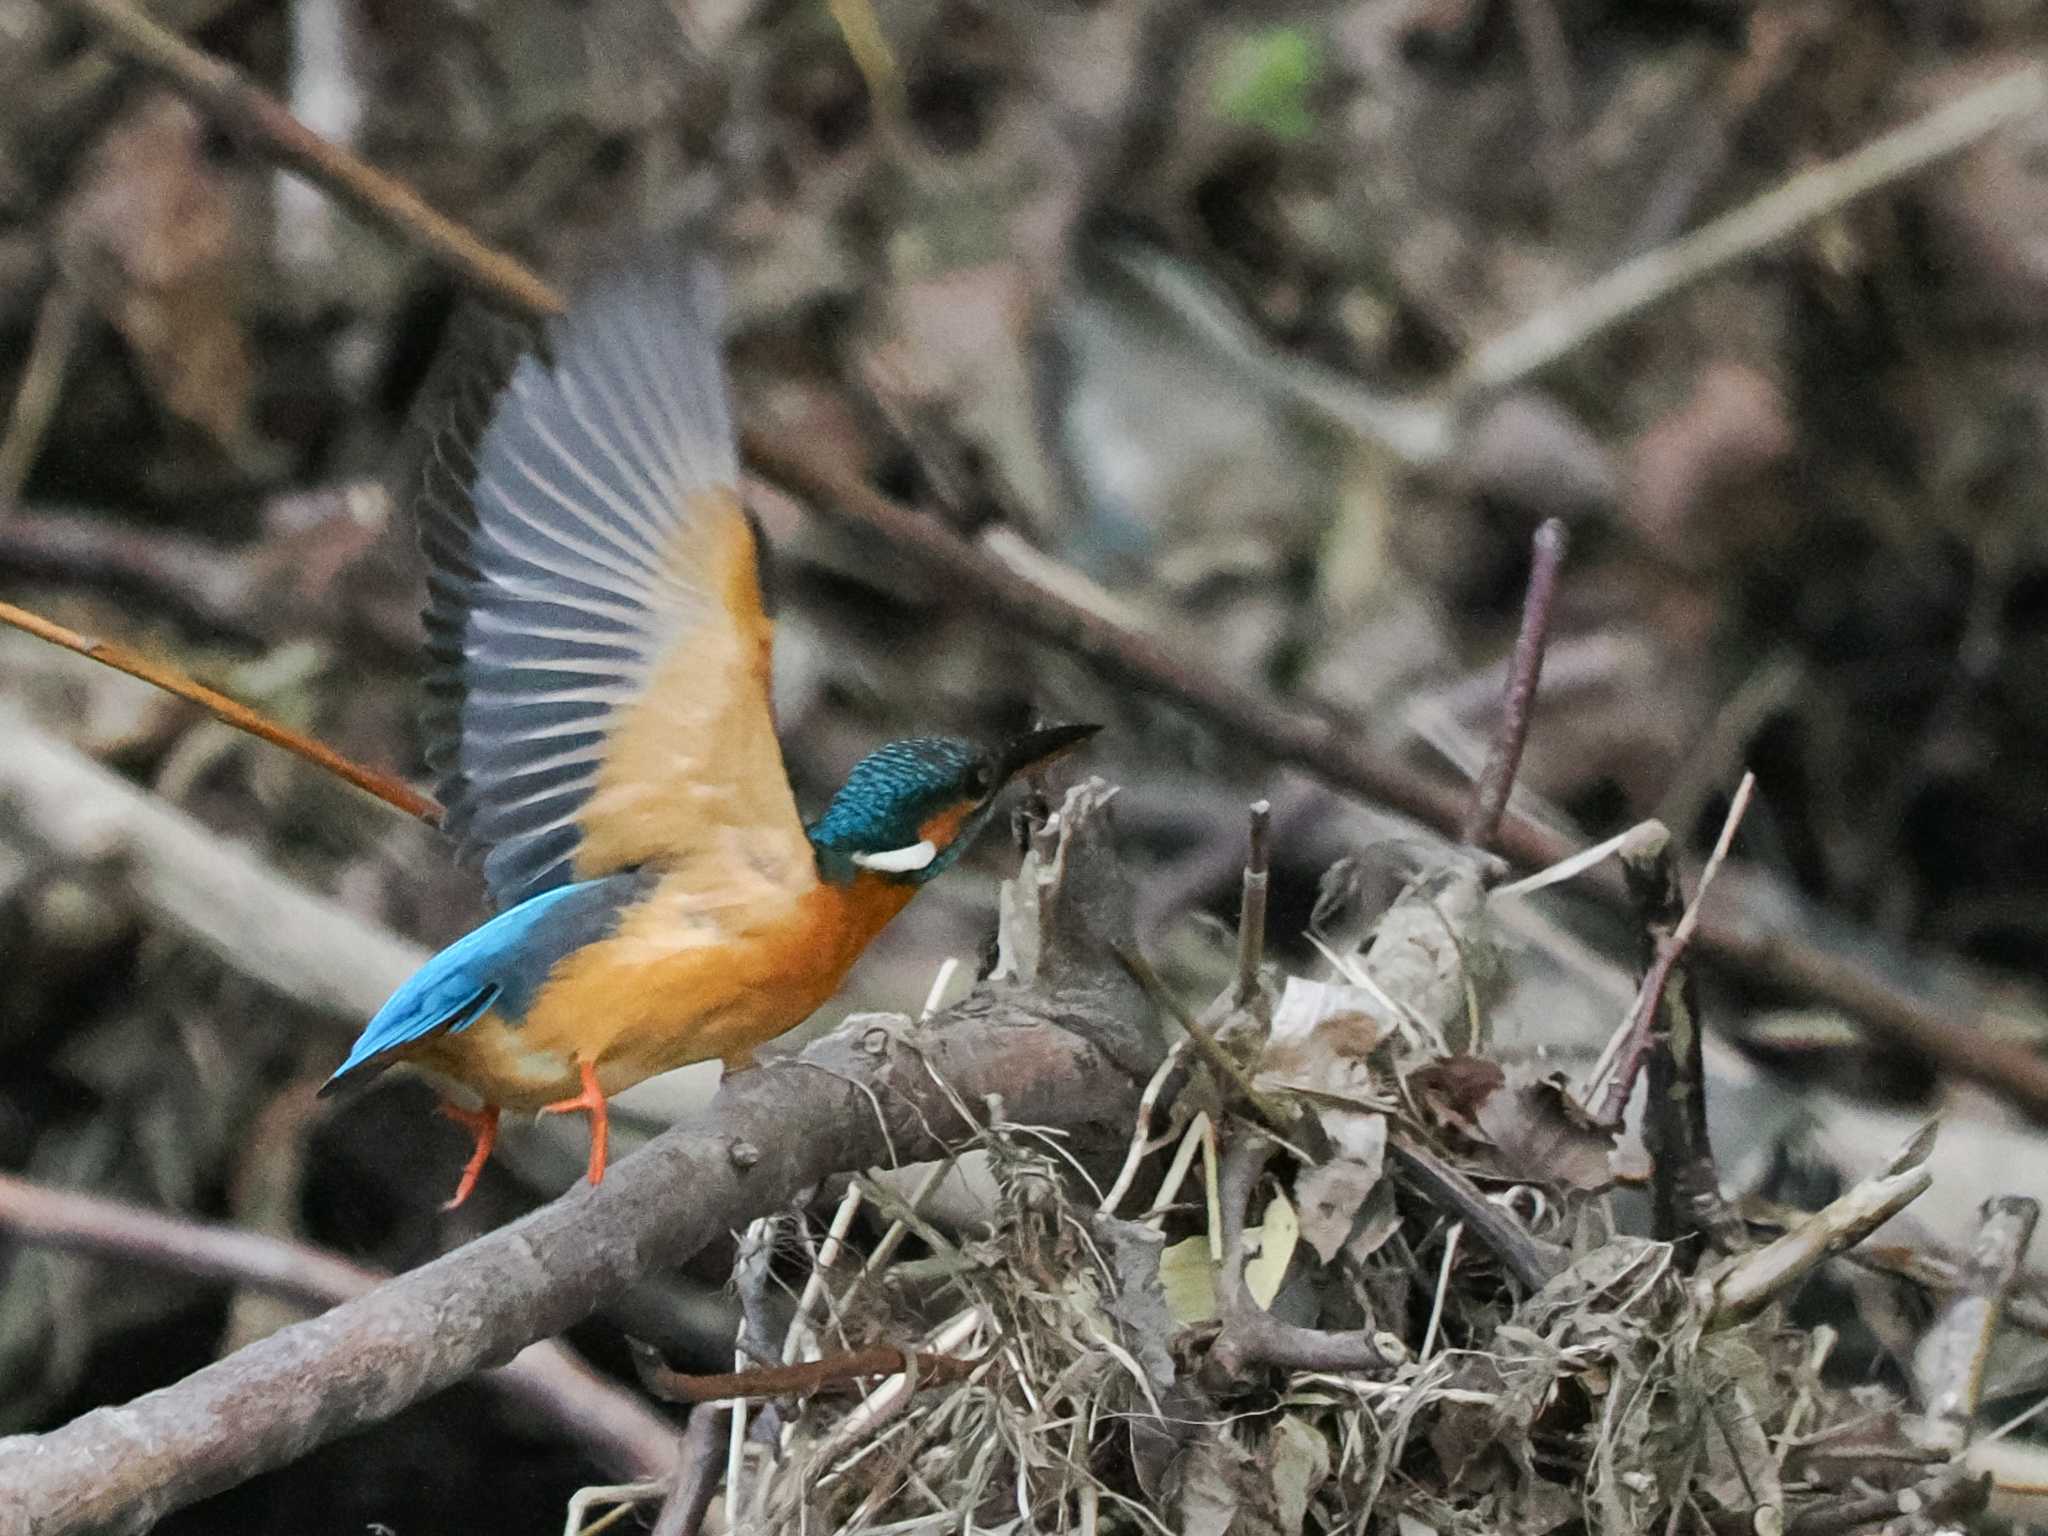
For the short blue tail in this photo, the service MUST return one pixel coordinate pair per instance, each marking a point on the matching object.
(501, 964)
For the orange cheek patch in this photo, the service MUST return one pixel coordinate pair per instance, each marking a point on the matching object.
(941, 829)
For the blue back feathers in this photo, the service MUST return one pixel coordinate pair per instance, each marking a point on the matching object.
(890, 795)
(500, 965)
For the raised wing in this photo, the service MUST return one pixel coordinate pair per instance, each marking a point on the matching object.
(601, 690)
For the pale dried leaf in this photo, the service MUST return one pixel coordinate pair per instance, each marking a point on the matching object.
(1377, 1222)
(1276, 1238)
(1188, 1279)
(1322, 1037)
(1299, 1459)
(1331, 1195)
(1432, 953)
(1224, 1490)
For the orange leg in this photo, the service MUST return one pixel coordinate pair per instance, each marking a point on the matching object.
(591, 1102)
(483, 1125)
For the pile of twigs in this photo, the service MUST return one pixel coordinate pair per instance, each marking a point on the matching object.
(1350, 1274)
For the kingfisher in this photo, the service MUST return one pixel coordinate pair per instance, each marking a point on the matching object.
(601, 730)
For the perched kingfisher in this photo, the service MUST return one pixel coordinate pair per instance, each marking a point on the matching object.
(601, 729)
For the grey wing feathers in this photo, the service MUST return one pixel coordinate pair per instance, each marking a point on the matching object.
(563, 571)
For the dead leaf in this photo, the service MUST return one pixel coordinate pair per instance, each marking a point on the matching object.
(1466, 1439)
(1540, 1507)
(1377, 1222)
(149, 237)
(1138, 1301)
(1224, 1491)
(1188, 1278)
(1452, 1090)
(1543, 1133)
(1433, 954)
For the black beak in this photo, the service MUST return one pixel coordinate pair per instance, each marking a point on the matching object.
(1036, 748)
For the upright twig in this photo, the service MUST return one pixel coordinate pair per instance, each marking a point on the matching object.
(1251, 906)
(1525, 672)
(1666, 1032)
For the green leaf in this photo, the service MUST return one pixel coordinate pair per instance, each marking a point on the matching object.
(1265, 81)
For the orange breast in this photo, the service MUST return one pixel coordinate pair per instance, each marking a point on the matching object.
(679, 982)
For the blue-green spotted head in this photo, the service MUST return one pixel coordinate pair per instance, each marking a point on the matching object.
(909, 809)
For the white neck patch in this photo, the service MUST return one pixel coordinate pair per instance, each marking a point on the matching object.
(899, 861)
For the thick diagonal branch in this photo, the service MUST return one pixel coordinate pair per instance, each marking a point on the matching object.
(616, 1428)
(849, 1102)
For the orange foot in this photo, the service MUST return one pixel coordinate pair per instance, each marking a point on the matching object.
(483, 1125)
(591, 1102)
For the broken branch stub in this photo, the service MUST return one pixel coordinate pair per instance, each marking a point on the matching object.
(1063, 920)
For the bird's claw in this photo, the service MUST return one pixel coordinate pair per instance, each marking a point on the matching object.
(483, 1125)
(591, 1102)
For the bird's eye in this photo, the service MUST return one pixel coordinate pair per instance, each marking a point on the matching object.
(977, 782)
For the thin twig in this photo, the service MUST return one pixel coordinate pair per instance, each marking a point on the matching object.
(800, 1380)
(1263, 1106)
(1746, 1285)
(1251, 906)
(1646, 861)
(1666, 1032)
(1141, 1132)
(893, 1394)
(1533, 1262)
(1948, 1365)
(1525, 672)
(1795, 204)
(621, 1433)
(1443, 1291)
(696, 1481)
(391, 790)
(814, 1287)
(1947, 1498)
(263, 123)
